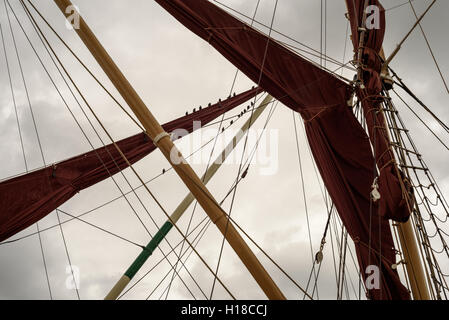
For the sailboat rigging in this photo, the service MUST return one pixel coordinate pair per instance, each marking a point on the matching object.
(372, 172)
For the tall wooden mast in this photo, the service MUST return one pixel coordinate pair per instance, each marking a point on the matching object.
(412, 257)
(162, 140)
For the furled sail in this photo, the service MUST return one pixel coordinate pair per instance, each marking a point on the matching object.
(339, 144)
(26, 199)
(393, 188)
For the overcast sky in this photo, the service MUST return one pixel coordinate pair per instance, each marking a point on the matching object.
(174, 71)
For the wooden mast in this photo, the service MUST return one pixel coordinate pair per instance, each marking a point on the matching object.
(407, 239)
(183, 206)
(413, 262)
(412, 258)
(162, 140)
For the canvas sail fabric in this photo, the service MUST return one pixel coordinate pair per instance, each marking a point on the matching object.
(339, 145)
(26, 199)
(394, 189)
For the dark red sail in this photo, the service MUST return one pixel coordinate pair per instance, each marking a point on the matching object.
(340, 146)
(394, 189)
(26, 199)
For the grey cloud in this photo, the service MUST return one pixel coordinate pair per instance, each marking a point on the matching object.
(174, 71)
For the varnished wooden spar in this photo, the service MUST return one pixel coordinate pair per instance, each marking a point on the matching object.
(413, 262)
(162, 140)
(399, 46)
(183, 206)
(407, 239)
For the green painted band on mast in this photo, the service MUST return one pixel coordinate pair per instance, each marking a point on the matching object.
(149, 249)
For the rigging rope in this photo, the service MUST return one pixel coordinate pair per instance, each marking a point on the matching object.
(21, 142)
(80, 62)
(213, 149)
(101, 229)
(208, 221)
(418, 223)
(316, 53)
(411, 94)
(397, 6)
(244, 148)
(422, 121)
(41, 34)
(428, 46)
(304, 198)
(41, 152)
(110, 201)
(118, 149)
(234, 222)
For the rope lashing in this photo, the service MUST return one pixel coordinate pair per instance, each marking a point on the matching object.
(159, 137)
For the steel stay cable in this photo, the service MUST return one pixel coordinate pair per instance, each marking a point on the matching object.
(24, 155)
(132, 168)
(137, 175)
(171, 251)
(42, 156)
(419, 224)
(233, 119)
(243, 231)
(101, 229)
(212, 151)
(339, 249)
(24, 84)
(14, 99)
(352, 257)
(397, 6)
(244, 148)
(298, 51)
(322, 243)
(416, 224)
(328, 210)
(209, 222)
(335, 61)
(430, 48)
(266, 254)
(108, 202)
(82, 64)
(258, 246)
(231, 219)
(343, 59)
(91, 73)
(410, 93)
(236, 182)
(428, 173)
(421, 120)
(287, 45)
(321, 32)
(82, 96)
(355, 265)
(167, 290)
(304, 198)
(321, 59)
(196, 202)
